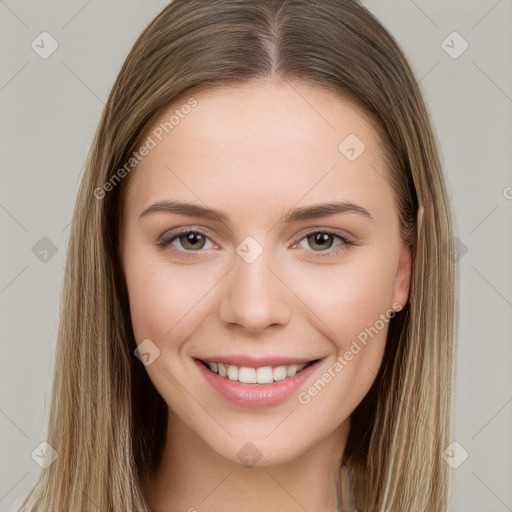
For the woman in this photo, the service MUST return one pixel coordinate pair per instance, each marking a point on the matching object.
(259, 311)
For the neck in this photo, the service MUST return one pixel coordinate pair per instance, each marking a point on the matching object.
(193, 477)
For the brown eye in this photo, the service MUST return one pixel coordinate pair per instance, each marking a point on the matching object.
(320, 241)
(325, 243)
(192, 241)
(186, 241)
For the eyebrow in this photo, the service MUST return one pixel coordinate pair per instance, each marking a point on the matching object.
(293, 215)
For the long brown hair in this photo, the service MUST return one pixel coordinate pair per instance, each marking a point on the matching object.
(107, 422)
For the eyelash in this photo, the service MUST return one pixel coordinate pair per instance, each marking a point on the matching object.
(328, 252)
(165, 241)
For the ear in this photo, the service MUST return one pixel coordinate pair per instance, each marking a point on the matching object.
(402, 278)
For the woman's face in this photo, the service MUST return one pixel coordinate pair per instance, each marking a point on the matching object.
(258, 275)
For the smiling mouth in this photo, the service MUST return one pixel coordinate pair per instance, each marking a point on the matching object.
(260, 375)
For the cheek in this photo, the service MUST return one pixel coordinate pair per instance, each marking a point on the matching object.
(349, 297)
(164, 297)
(350, 305)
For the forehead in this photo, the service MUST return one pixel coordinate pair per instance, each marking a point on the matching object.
(267, 144)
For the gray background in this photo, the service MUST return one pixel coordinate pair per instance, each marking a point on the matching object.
(50, 109)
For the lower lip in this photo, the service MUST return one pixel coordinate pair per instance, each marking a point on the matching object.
(257, 395)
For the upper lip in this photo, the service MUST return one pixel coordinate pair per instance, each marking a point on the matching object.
(257, 361)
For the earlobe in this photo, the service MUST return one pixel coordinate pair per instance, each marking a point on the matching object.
(402, 279)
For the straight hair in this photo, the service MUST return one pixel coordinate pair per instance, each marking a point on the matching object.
(106, 420)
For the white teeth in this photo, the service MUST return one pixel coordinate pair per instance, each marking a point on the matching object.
(232, 372)
(290, 370)
(221, 369)
(247, 375)
(262, 375)
(280, 373)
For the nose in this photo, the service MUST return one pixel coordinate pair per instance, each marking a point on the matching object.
(254, 298)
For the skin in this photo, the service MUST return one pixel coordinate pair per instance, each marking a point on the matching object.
(255, 151)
